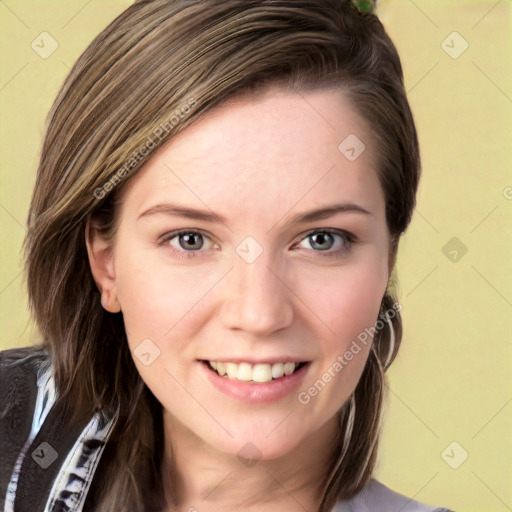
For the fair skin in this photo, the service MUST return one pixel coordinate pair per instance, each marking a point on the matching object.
(257, 163)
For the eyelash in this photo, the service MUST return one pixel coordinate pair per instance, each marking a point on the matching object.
(348, 240)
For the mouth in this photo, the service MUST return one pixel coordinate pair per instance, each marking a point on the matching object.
(258, 373)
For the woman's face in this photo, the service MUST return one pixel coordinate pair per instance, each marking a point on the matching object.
(249, 286)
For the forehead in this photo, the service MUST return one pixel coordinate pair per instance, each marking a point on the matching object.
(295, 126)
(270, 150)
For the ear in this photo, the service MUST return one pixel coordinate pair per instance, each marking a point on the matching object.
(101, 261)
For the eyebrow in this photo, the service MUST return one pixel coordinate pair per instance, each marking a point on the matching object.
(205, 216)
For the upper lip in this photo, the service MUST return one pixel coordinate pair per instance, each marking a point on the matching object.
(253, 361)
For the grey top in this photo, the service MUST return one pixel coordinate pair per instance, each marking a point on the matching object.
(376, 497)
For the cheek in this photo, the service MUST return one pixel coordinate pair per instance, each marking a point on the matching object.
(159, 300)
(358, 299)
(349, 305)
(347, 301)
(143, 296)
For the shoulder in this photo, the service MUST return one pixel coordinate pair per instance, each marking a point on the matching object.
(19, 372)
(376, 496)
(22, 359)
(22, 372)
(47, 459)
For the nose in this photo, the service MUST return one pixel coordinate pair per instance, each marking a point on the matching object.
(256, 297)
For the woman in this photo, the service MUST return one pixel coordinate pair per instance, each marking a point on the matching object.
(218, 206)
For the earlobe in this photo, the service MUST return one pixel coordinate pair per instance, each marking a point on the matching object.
(109, 301)
(101, 262)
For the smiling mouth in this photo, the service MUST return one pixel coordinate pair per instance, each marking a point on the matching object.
(247, 372)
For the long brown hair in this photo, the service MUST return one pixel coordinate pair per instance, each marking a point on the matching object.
(154, 70)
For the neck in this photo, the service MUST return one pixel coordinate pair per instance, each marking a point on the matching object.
(198, 477)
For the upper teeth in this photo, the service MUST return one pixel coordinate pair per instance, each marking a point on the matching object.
(257, 373)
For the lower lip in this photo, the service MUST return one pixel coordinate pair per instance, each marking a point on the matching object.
(256, 392)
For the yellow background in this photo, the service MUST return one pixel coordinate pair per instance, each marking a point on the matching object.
(452, 380)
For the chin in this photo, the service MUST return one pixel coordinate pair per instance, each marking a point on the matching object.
(260, 445)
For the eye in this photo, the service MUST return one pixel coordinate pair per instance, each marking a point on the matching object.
(322, 241)
(185, 243)
(188, 243)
